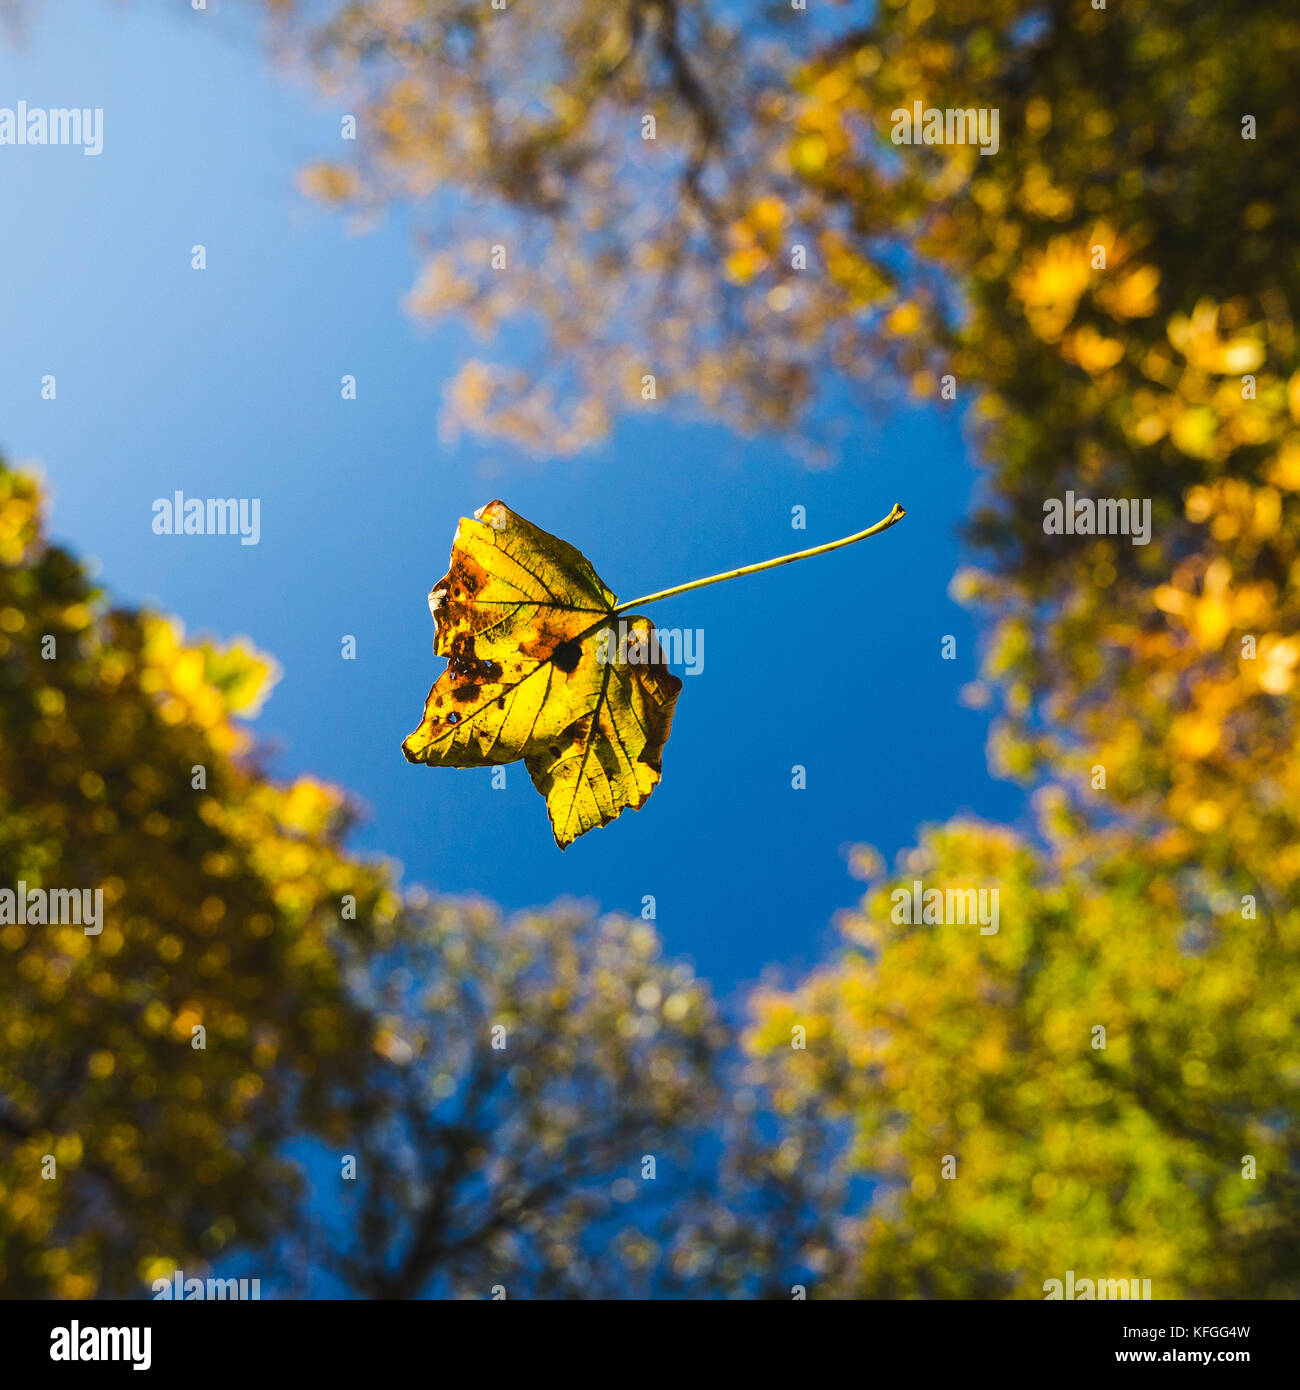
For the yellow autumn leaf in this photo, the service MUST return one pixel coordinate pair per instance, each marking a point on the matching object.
(809, 154)
(544, 664)
(1093, 352)
(523, 619)
(1133, 294)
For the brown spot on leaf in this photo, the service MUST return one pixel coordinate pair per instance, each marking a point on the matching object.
(465, 663)
(567, 655)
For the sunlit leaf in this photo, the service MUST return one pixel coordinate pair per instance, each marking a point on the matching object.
(532, 644)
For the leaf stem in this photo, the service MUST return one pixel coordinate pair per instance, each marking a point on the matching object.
(895, 516)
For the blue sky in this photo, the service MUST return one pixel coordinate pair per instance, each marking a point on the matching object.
(226, 383)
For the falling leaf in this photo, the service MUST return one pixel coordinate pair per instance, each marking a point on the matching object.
(544, 664)
(521, 617)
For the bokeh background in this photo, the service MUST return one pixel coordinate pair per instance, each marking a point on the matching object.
(1169, 1153)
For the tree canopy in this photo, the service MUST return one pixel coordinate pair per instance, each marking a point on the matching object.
(659, 191)
(1109, 297)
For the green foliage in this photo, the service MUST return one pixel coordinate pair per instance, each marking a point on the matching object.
(1120, 1154)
